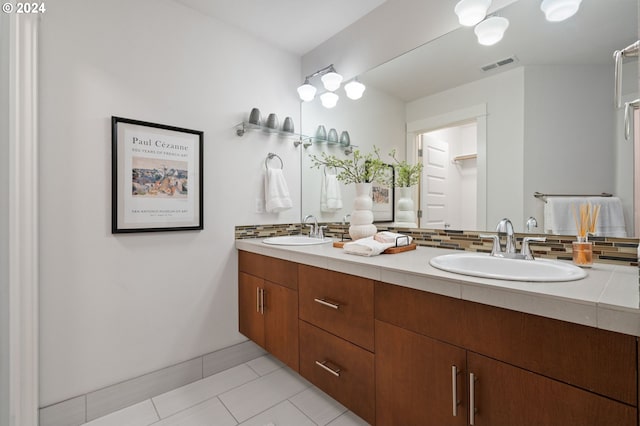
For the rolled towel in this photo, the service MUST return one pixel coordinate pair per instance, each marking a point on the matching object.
(398, 240)
(366, 247)
(276, 192)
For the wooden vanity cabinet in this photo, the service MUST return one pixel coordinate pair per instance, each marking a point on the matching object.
(337, 337)
(513, 383)
(268, 307)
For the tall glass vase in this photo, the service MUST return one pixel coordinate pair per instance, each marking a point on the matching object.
(405, 214)
(362, 217)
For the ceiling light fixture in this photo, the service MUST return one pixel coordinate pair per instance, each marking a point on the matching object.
(354, 89)
(491, 30)
(559, 10)
(329, 99)
(470, 12)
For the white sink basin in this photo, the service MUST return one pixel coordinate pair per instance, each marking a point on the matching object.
(486, 266)
(296, 240)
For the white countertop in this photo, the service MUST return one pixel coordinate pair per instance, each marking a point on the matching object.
(608, 298)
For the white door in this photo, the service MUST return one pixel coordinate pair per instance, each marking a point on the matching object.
(435, 158)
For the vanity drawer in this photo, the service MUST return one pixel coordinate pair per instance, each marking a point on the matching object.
(271, 269)
(341, 369)
(339, 303)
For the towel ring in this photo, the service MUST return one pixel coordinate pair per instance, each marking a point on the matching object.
(269, 157)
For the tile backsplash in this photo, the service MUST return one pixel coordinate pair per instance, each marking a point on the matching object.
(617, 251)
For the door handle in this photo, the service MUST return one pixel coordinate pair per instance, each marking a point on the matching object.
(454, 389)
(472, 399)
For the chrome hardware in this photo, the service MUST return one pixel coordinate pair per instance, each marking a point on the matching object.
(618, 55)
(326, 303)
(506, 227)
(345, 218)
(323, 364)
(628, 115)
(472, 399)
(258, 299)
(525, 251)
(454, 387)
(495, 250)
(320, 231)
(262, 301)
(531, 223)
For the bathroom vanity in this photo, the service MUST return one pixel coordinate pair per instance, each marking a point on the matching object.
(399, 342)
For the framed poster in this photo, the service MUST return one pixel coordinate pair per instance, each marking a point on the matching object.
(383, 195)
(156, 177)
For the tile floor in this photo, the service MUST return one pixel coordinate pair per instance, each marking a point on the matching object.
(261, 392)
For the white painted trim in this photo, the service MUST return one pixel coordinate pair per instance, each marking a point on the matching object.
(475, 112)
(23, 221)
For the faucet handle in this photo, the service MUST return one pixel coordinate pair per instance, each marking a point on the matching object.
(320, 232)
(526, 250)
(312, 231)
(495, 250)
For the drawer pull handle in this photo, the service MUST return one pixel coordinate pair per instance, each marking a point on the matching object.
(323, 364)
(329, 304)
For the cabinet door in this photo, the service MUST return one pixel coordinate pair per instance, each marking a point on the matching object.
(281, 323)
(251, 322)
(415, 385)
(507, 395)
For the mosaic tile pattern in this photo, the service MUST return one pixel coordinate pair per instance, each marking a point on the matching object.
(617, 251)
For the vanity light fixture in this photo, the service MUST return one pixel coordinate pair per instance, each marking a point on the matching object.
(329, 99)
(330, 79)
(559, 10)
(491, 30)
(470, 12)
(354, 89)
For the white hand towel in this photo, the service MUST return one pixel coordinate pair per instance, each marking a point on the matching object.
(398, 240)
(611, 217)
(558, 215)
(331, 199)
(276, 192)
(366, 247)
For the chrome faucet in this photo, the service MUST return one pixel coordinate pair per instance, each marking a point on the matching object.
(313, 228)
(531, 223)
(506, 227)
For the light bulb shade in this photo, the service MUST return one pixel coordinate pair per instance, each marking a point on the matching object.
(470, 12)
(307, 92)
(354, 89)
(331, 80)
(490, 31)
(559, 10)
(329, 99)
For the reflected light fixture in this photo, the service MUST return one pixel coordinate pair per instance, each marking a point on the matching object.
(559, 10)
(331, 80)
(307, 92)
(491, 30)
(354, 89)
(329, 99)
(470, 12)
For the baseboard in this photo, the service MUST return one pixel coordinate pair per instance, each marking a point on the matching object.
(83, 408)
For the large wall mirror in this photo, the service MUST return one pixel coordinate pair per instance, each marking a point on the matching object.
(533, 113)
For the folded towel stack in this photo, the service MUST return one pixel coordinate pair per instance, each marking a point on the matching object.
(330, 197)
(373, 246)
(276, 192)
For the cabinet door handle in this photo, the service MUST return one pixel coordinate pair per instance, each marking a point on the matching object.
(472, 399)
(323, 364)
(262, 301)
(258, 299)
(454, 388)
(327, 303)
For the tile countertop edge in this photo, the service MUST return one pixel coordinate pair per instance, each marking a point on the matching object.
(609, 292)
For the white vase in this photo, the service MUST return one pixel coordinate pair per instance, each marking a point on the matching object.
(405, 213)
(362, 217)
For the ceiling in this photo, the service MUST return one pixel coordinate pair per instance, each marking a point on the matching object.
(589, 37)
(296, 26)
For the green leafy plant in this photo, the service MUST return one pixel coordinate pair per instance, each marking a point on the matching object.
(406, 174)
(360, 168)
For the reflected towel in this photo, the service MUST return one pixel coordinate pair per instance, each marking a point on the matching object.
(558, 215)
(398, 240)
(330, 197)
(276, 192)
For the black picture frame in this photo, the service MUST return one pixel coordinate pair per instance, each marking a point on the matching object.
(384, 196)
(156, 177)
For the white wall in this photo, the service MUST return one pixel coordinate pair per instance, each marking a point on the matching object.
(503, 95)
(4, 218)
(569, 133)
(115, 307)
(376, 119)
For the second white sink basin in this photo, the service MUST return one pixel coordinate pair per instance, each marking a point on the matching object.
(296, 240)
(486, 266)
